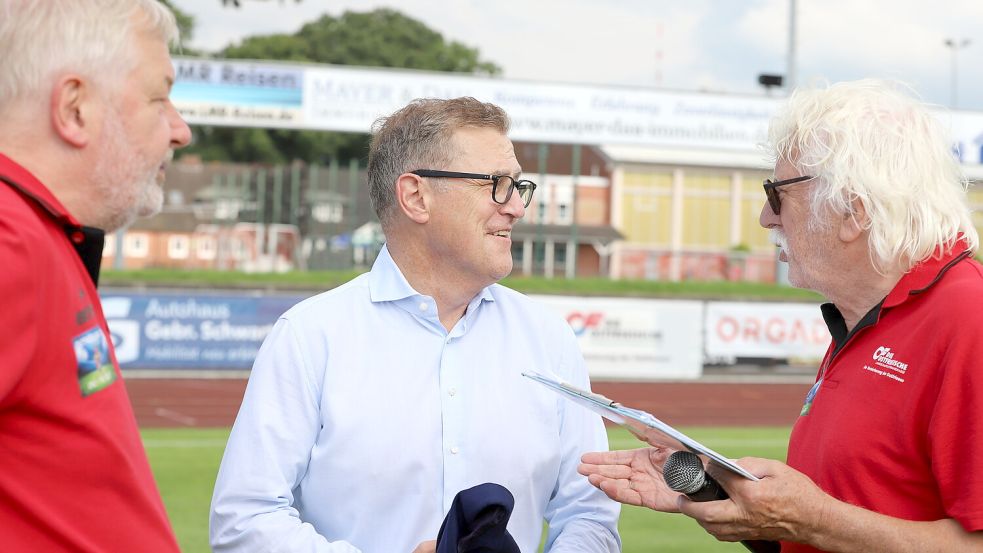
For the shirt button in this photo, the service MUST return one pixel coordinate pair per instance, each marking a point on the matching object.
(424, 306)
(454, 450)
(452, 391)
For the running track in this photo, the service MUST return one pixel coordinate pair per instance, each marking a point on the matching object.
(187, 402)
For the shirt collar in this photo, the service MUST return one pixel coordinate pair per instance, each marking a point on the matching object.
(86, 241)
(924, 275)
(387, 283)
(920, 278)
(27, 184)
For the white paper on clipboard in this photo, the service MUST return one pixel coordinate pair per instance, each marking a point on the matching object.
(638, 422)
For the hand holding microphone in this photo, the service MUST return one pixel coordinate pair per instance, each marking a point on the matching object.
(683, 472)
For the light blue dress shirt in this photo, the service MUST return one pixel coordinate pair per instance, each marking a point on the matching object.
(363, 417)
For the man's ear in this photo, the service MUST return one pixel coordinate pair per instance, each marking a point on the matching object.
(413, 195)
(854, 223)
(72, 110)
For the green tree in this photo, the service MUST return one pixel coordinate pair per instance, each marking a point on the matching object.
(185, 23)
(379, 38)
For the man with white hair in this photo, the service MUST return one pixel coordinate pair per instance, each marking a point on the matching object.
(86, 130)
(869, 209)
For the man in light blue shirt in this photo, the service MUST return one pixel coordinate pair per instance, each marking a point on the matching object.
(371, 405)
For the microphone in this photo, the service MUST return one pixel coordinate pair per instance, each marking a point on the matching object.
(683, 472)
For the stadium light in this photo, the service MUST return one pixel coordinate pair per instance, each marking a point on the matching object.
(955, 46)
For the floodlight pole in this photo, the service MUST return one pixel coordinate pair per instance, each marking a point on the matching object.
(790, 69)
(955, 46)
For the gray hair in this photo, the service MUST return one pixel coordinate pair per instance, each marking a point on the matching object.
(418, 136)
(40, 39)
(872, 141)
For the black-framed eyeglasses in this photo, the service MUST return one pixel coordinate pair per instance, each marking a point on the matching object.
(771, 192)
(502, 185)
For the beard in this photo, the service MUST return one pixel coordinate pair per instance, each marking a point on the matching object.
(127, 184)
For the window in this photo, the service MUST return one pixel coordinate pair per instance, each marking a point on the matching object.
(109, 246)
(240, 250)
(518, 250)
(136, 244)
(205, 246)
(559, 255)
(562, 214)
(327, 213)
(178, 247)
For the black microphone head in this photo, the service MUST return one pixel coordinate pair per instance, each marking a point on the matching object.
(683, 472)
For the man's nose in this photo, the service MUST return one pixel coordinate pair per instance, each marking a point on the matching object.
(767, 218)
(180, 131)
(516, 206)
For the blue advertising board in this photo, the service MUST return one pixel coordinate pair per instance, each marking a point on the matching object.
(190, 330)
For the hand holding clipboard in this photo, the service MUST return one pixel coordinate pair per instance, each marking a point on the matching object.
(643, 425)
(664, 438)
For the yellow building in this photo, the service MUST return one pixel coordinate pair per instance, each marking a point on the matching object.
(693, 214)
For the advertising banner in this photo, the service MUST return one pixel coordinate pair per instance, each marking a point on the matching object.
(635, 339)
(621, 338)
(772, 330)
(190, 331)
(239, 93)
(967, 133)
(274, 94)
(271, 94)
(350, 99)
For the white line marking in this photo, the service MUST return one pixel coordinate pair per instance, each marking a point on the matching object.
(169, 414)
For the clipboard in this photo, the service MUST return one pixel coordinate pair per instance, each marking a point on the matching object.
(638, 422)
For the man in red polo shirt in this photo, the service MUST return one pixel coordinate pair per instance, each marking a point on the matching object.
(86, 129)
(868, 207)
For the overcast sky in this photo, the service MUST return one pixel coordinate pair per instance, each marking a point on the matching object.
(716, 45)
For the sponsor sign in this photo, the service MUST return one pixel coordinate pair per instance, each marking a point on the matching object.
(338, 98)
(967, 134)
(244, 94)
(773, 330)
(192, 331)
(621, 338)
(636, 339)
(350, 99)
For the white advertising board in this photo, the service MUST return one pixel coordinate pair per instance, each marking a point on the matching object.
(967, 134)
(635, 339)
(323, 97)
(338, 98)
(351, 99)
(770, 330)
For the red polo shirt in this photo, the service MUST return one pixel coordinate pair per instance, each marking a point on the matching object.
(896, 425)
(73, 472)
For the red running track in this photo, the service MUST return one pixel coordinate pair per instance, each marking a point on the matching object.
(177, 402)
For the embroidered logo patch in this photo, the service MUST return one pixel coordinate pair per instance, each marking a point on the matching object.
(884, 364)
(95, 367)
(810, 397)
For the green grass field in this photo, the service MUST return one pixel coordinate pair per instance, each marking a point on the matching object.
(185, 462)
(312, 281)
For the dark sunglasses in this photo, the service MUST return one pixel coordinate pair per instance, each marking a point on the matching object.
(771, 192)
